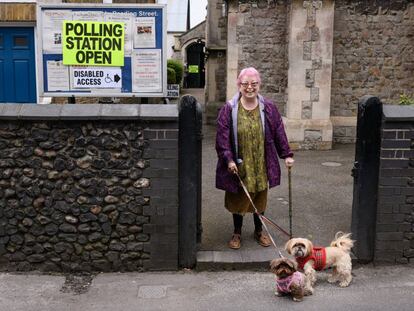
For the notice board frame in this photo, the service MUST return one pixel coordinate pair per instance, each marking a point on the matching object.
(127, 74)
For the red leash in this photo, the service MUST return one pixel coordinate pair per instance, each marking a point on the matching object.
(275, 225)
(263, 218)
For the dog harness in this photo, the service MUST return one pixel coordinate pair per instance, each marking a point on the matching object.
(283, 285)
(318, 256)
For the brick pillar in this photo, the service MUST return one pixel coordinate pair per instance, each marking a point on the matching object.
(162, 172)
(309, 76)
(395, 218)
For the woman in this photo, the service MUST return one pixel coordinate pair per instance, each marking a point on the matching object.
(250, 137)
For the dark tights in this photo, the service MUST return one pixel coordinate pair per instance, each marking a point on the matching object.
(238, 223)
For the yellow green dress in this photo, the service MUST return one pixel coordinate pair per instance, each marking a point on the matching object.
(252, 170)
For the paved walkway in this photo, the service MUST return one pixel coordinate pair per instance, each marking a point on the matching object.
(384, 288)
(322, 189)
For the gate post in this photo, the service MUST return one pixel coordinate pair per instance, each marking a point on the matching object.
(365, 173)
(189, 162)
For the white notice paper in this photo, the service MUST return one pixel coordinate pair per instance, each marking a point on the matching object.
(57, 76)
(146, 71)
(128, 20)
(144, 32)
(52, 30)
(88, 16)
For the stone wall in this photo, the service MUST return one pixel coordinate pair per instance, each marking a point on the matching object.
(216, 65)
(262, 38)
(373, 52)
(395, 214)
(198, 32)
(88, 187)
(216, 96)
(216, 26)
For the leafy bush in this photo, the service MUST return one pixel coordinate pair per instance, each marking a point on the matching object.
(178, 67)
(171, 76)
(406, 100)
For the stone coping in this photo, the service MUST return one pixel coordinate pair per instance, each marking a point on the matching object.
(398, 113)
(88, 112)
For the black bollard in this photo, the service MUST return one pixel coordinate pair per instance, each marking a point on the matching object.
(365, 173)
(189, 159)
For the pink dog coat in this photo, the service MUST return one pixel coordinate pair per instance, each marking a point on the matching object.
(283, 285)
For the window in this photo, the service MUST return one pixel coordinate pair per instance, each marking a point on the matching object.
(20, 42)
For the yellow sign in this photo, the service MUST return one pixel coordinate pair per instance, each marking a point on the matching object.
(93, 43)
(193, 68)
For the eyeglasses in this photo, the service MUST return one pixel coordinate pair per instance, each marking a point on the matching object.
(246, 84)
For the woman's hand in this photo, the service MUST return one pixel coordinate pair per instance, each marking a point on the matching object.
(232, 167)
(289, 162)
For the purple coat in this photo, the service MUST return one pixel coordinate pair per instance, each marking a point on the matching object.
(276, 143)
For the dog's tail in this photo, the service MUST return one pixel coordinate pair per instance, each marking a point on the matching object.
(343, 241)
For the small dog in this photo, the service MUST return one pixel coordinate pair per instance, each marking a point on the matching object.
(310, 258)
(288, 279)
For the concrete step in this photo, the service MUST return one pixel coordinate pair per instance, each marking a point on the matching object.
(236, 259)
(256, 260)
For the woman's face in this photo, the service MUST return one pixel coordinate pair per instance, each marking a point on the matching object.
(249, 86)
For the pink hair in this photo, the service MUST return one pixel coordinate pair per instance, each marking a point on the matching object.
(248, 72)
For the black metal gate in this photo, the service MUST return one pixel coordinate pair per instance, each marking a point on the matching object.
(189, 158)
(365, 173)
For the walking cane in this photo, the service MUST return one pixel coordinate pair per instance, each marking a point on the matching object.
(290, 201)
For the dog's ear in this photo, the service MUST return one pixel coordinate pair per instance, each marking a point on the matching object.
(273, 264)
(292, 264)
(309, 245)
(288, 246)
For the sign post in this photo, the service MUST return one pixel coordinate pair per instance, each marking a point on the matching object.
(102, 50)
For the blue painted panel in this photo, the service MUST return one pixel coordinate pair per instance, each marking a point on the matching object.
(17, 74)
(2, 92)
(21, 81)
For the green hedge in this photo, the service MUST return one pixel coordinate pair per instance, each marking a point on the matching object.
(178, 68)
(171, 76)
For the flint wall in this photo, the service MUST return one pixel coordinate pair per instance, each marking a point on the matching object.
(88, 187)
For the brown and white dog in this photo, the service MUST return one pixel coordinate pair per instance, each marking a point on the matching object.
(310, 258)
(289, 281)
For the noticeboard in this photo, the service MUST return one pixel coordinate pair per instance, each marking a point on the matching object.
(115, 50)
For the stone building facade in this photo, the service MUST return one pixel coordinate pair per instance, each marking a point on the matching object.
(373, 54)
(217, 55)
(182, 41)
(317, 58)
